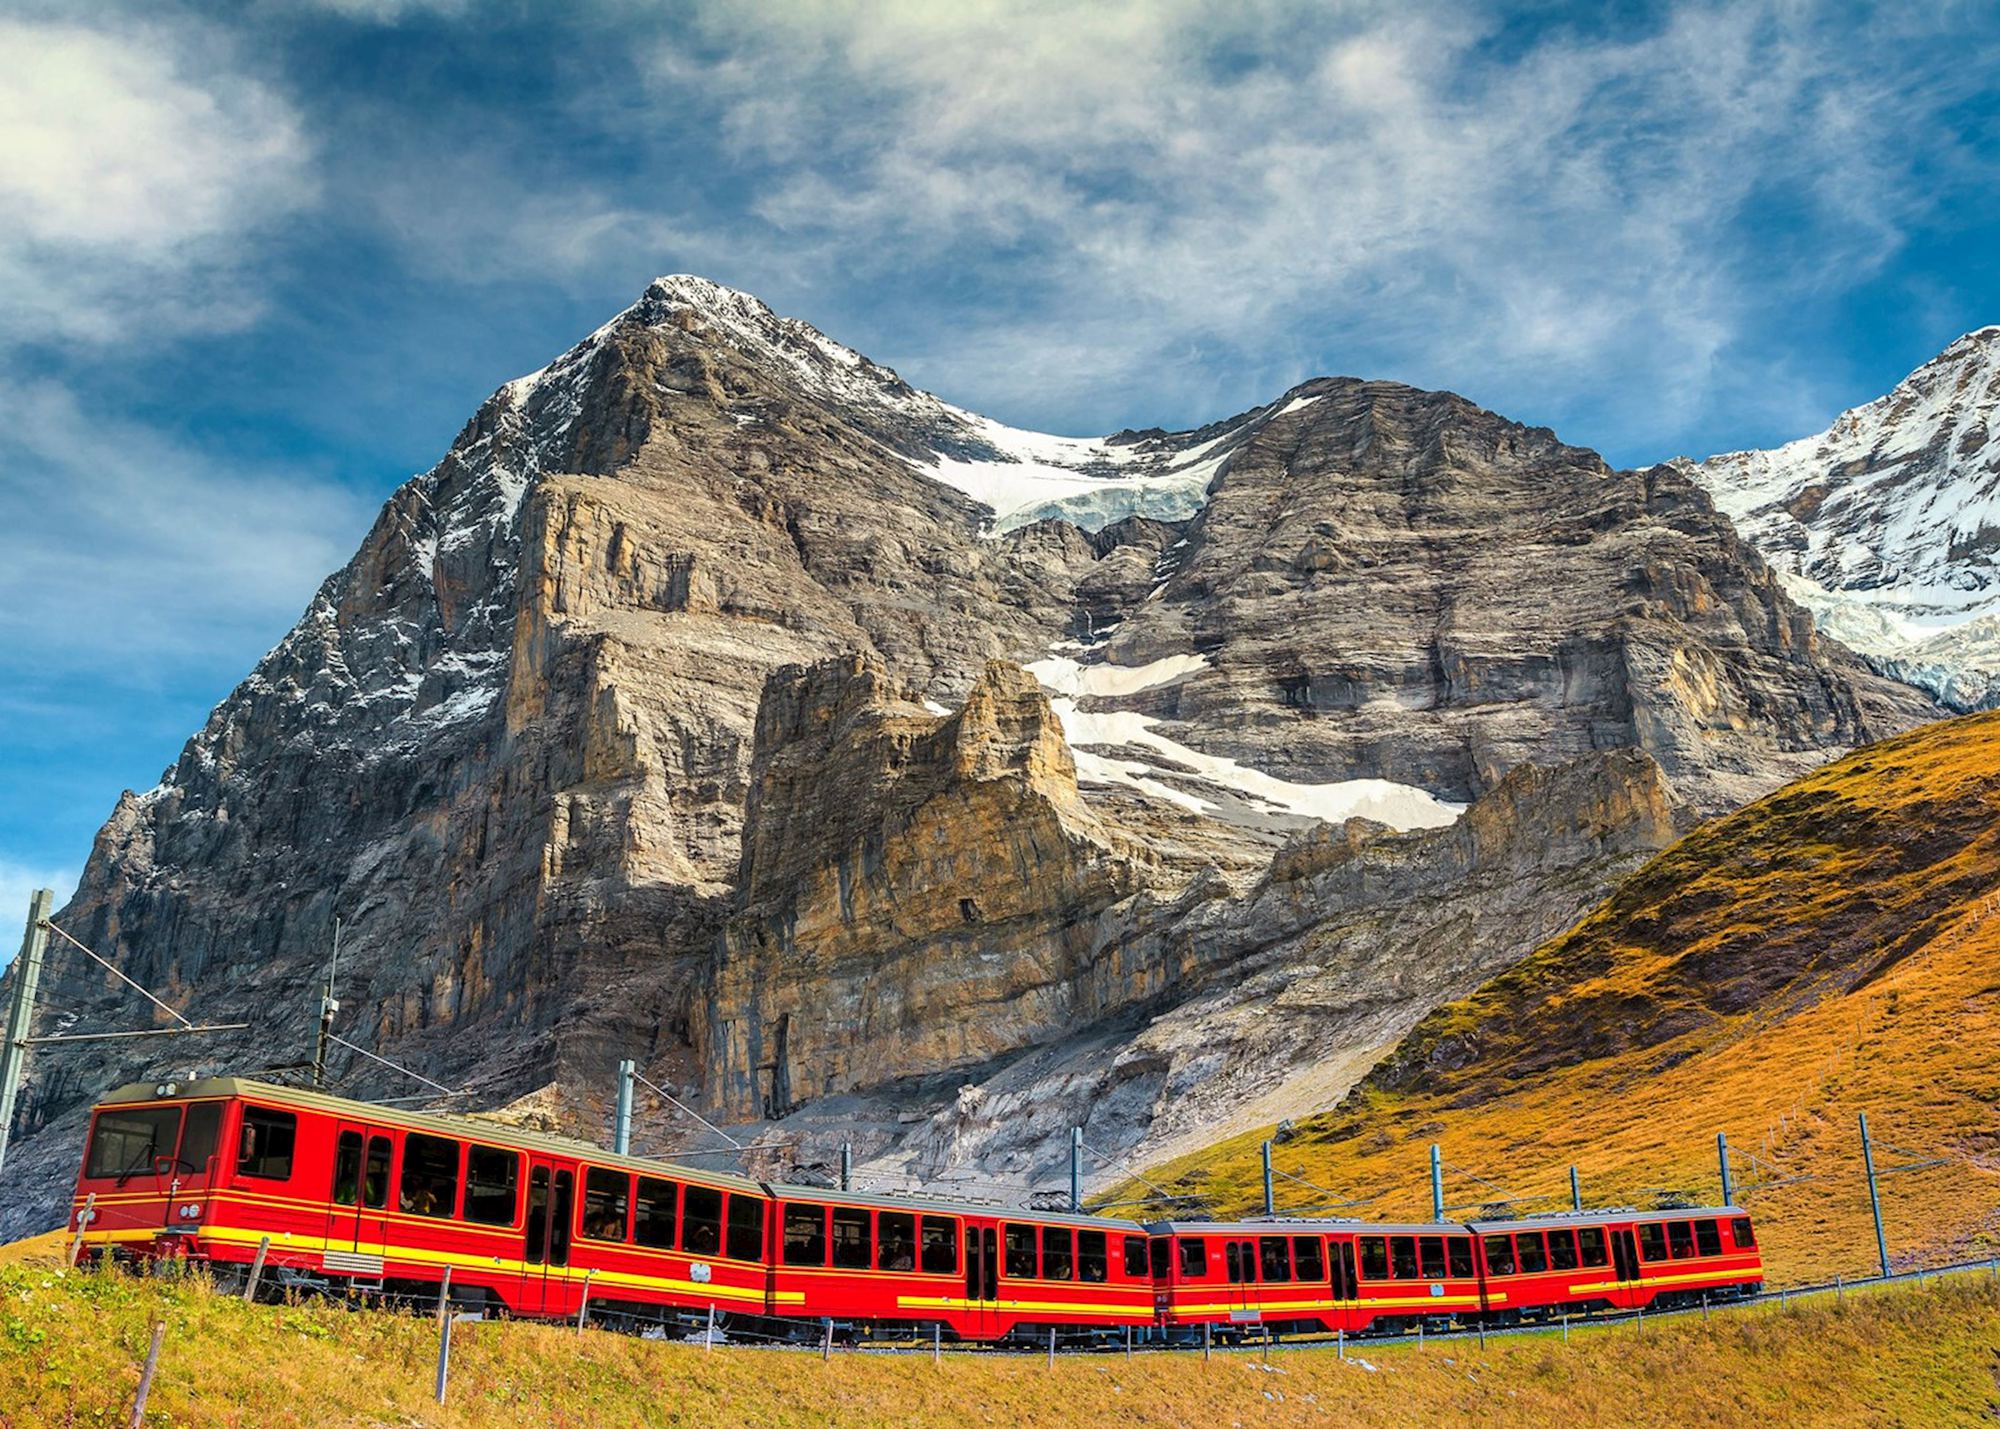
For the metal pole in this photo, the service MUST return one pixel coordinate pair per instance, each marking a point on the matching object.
(327, 1008)
(1437, 1184)
(256, 1270)
(1128, 1342)
(1052, 1347)
(1207, 1339)
(826, 1345)
(1340, 1341)
(708, 1339)
(621, 1129)
(1075, 1169)
(583, 1303)
(444, 1295)
(1575, 1191)
(27, 979)
(1874, 1196)
(146, 1374)
(937, 1344)
(1722, 1159)
(444, 1356)
(1270, 1200)
(847, 1166)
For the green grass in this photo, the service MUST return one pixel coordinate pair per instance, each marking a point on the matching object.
(71, 1344)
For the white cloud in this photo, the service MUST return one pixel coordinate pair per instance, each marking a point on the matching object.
(134, 167)
(133, 553)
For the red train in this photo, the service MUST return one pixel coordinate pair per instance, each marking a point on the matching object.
(364, 1197)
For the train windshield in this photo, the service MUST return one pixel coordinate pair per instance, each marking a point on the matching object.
(125, 1142)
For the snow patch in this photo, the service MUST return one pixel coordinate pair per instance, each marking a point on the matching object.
(1064, 676)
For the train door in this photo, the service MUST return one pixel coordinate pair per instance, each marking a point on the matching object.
(357, 1237)
(982, 1278)
(1239, 1263)
(1346, 1291)
(545, 1254)
(1625, 1259)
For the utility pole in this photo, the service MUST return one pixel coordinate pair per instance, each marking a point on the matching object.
(1874, 1196)
(20, 1016)
(621, 1129)
(1575, 1191)
(327, 1008)
(847, 1166)
(1722, 1159)
(1270, 1200)
(1437, 1183)
(1076, 1169)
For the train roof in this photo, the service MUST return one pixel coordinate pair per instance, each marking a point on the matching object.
(1624, 1215)
(486, 1129)
(1289, 1225)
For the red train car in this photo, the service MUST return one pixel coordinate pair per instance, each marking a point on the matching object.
(1314, 1276)
(1585, 1261)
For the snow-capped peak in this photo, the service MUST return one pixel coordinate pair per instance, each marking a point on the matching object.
(1887, 524)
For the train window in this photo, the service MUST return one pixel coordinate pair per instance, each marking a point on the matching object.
(746, 1227)
(1680, 1239)
(1590, 1240)
(1194, 1257)
(1652, 1241)
(1309, 1257)
(1532, 1252)
(1021, 1252)
(1136, 1267)
(1232, 1258)
(1092, 1258)
(1458, 1256)
(1162, 1252)
(1403, 1257)
(896, 1243)
(265, 1148)
(851, 1250)
(559, 1214)
(204, 1121)
(1374, 1258)
(1274, 1258)
(939, 1245)
(430, 1176)
(492, 1185)
(805, 1234)
(1740, 1230)
(701, 1220)
(124, 1143)
(347, 1168)
(1562, 1250)
(1058, 1252)
(607, 1197)
(1707, 1238)
(653, 1213)
(375, 1180)
(1499, 1255)
(1430, 1257)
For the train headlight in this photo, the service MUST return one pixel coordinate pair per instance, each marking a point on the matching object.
(191, 1212)
(166, 1089)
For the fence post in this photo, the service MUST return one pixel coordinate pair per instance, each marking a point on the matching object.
(1704, 1307)
(1128, 1342)
(1565, 1327)
(1482, 1333)
(1052, 1347)
(83, 1218)
(583, 1302)
(826, 1344)
(937, 1344)
(256, 1270)
(444, 1295)
(708, 1338)
(1839, 1289)
(1340, 1341)
(444, 1356)
(1207, 1339)
(152, 1365)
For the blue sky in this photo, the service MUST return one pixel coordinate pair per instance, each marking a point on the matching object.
(260, 261)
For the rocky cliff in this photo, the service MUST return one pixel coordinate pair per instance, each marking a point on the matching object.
(515, 745)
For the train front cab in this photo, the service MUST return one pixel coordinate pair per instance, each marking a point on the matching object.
(151, 1168)
(894, 1266)
(1582, 1262)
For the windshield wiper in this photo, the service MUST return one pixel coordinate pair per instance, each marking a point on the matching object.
(141, 1164)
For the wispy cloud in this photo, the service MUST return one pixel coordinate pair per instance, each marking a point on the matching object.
(135, 165)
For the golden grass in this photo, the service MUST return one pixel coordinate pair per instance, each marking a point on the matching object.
(1832, 949)
(71, 1343)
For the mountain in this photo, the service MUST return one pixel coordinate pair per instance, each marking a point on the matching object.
(1826, 951)
(678, 713)
(1887, 525)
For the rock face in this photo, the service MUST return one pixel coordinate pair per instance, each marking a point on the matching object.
(1887, 525)
(525, 749)
(918, 890)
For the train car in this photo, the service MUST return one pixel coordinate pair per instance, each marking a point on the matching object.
(1426, 1272)
(374, 1199)
(1282, 1276)
(883, 1265)
(1580, 1262)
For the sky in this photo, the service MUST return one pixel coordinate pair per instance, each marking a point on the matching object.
(260, 261)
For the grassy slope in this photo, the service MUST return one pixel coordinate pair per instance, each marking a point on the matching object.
(70, 1346)
(1833, 948)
